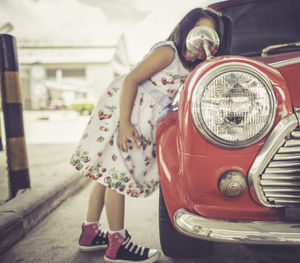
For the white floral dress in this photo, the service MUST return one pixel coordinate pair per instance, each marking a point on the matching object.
(97, 155)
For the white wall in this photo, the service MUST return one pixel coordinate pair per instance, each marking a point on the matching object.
(99, 77)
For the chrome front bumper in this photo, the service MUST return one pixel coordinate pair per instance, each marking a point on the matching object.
(251, 232)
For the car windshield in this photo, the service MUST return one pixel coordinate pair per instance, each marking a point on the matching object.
(258, 24)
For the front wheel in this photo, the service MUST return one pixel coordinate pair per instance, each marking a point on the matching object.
(173, 243)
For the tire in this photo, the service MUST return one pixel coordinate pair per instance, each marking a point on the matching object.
(174, 244)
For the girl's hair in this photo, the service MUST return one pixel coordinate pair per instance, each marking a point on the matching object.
(223, 27)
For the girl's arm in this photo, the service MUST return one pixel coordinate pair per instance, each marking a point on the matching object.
(153, 63)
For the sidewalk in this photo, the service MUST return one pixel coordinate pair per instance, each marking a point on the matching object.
(50, 142)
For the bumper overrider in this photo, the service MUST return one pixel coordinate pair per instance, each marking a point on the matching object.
(251, 232)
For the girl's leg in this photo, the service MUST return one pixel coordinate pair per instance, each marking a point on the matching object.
(92, 237)
(114, 203)
(96, 202)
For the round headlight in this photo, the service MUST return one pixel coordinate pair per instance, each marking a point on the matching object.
(234, 105)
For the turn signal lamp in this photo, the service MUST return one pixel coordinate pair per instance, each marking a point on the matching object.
(232, 184)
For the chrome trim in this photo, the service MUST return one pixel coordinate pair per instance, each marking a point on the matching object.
(289, 150)
(284, 63)
(249, 232)
(278, 183)
(265, 51)
(265, 168)
(175, 102)
(291, 156)
(207, 78)
(284, 163)
(293, 142)
(284, 170)
(283, 189)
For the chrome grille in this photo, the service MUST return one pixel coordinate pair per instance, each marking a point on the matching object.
(280, 180)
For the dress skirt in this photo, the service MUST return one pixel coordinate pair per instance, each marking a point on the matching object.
(98, 156)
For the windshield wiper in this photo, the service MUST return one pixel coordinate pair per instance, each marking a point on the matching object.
(272, 48)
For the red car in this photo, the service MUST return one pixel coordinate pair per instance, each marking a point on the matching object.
(229, 155)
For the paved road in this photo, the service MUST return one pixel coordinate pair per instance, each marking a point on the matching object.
(55, 238)
(53, 127)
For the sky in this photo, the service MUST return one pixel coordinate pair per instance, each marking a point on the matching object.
(143, 22)
(158, 24)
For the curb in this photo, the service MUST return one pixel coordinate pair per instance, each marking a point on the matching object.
(29, 207)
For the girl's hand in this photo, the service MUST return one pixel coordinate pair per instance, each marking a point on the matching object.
(127, 132)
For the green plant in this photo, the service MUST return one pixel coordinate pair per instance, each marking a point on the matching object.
(83, 107)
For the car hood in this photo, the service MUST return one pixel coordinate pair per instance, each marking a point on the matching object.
(288, 64)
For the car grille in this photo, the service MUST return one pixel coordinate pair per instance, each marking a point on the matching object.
(280, 181)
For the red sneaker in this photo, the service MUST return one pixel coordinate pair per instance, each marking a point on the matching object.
(92, 238)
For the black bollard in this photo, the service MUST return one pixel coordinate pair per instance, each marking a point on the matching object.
(1, 145)
(17, 162)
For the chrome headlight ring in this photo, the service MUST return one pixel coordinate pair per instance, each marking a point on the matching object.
(233, 105)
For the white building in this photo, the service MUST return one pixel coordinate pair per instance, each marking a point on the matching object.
(59, 74)
(66, 50)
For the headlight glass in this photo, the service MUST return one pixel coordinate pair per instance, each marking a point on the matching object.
(234, 105)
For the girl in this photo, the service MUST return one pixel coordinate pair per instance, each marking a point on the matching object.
(117, 149)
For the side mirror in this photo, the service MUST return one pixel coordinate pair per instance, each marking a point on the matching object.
(203, 38)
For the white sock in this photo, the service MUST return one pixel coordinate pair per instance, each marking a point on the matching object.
(122, 232)
(90, 223)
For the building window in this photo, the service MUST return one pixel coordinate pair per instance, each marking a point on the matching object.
(66, 73)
